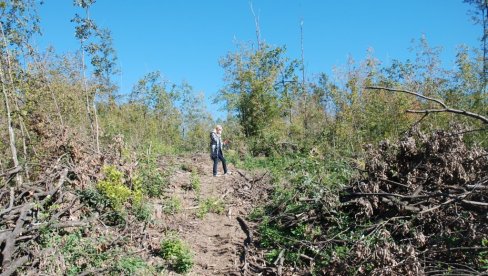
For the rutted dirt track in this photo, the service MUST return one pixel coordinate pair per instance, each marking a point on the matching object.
(216, 239)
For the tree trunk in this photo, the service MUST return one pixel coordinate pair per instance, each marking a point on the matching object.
(11, 132)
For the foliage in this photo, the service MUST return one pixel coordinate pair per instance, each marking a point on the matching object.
(131, 266)
(357, 230)
(258, 81)
(483, 256)
(305, 188)
(113, 188)
(143, 212)
(172, 205)
(195, 184)
(210, 205)
(153, 180)
(177, 253)
(78, 253)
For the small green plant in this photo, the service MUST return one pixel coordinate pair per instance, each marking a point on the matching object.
(483, 256)
(153, 180)
(172, 205)
(195, 184)
(177, 253)
(187, 168)
(93, 198)
(210, 205)
(142, 212)
(79, 253)
(131, 265)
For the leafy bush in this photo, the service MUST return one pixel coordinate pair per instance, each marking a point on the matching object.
(78, 252)
(153, 180)
(305, 191)
(177, 253)
(113, 188)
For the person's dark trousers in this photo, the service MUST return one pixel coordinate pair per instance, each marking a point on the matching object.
(216, 162)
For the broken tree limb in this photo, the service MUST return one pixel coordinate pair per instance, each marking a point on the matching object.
(11, 172)
(247, 242)
(444, 108)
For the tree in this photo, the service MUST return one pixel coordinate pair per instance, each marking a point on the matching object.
(155, 98)
(480, 16)
(18, 22)
(257, 90)
(196, 121)
(97, 43)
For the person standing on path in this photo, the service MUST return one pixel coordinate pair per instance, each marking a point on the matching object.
(216, 150)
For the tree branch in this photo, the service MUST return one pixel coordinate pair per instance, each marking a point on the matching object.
(445, 108)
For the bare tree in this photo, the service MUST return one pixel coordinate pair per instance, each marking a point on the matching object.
(480, 16)
(256, 22)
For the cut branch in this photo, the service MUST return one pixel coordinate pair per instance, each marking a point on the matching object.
(445, 108)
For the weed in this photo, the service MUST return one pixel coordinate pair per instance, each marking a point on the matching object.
(153, 180)
(78, 253)
(195, 184)
(483, 255)
(177, 253)
(113, 188)
(143, 212)
(172, 205)
(210, 205)
(131, 265)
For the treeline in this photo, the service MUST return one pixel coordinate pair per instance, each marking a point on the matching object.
(275, 110)
(63, 118)
(271, 107)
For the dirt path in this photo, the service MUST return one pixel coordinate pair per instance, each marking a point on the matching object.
(202, 209)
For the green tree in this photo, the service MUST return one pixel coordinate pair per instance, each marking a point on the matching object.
(196, 121)
(154, 99)
(257, 91)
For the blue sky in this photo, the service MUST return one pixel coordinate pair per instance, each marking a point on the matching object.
(185, 39)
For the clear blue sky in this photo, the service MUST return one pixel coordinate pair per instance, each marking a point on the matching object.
(185, 39)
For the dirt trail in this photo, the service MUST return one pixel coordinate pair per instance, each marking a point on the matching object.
(215, 238)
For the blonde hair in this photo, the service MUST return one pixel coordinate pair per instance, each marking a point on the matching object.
(218, 127)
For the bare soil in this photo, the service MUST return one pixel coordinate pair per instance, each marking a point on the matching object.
(216, 239)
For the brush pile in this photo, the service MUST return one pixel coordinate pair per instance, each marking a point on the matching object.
(425, 201)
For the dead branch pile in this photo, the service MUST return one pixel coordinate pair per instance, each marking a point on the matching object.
(48, 197)
(425, 202)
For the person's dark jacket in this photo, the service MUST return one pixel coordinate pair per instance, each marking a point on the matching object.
(215, 144)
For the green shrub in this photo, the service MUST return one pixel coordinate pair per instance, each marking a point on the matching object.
(143, 212)
(210, 205)
(79, 253)
(177, 253)
(195, 184)
(483, 256)
(153, 180)
(172, 205)
(113, 188)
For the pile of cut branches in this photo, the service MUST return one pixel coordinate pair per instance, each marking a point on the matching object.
(425, 200)
(42, 198)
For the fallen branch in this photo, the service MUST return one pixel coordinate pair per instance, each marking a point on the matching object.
(427, 111)
(247, 242)
(11, 172)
